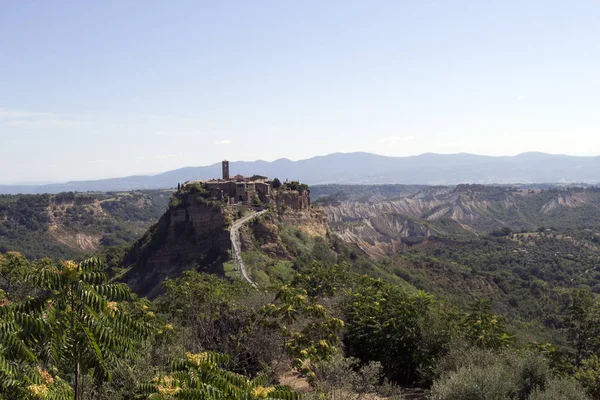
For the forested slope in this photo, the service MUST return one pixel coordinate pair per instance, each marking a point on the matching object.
(74, 224)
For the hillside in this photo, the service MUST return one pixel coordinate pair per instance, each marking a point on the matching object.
(407, 215)
(393, 279)
(71, 225)
(193, 233)
(366, 168)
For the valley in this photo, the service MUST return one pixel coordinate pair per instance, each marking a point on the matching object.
(393, 218)
(320, 274)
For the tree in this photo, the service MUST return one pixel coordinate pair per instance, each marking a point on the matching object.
(584, 325)
(78, 323)
(276, 183)
(404, 331)
(221, 316)
(20, 374)
(13, 269)
(308, 332)
(485, 329)
(588, 375)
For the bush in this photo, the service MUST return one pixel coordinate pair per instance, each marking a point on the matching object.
(560, 389)
(344, 378)
(493, 382)
(482, 374)
(588, 375)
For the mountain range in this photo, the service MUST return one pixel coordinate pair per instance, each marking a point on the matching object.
(364, 168)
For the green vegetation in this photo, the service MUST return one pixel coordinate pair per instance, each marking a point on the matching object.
(332, 194)
(504, 314)
(293, 185)
(70, 224)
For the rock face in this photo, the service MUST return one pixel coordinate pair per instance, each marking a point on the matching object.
(311, 220)
(380, 227)
(191, 234)
(264, 233)
(292, 200)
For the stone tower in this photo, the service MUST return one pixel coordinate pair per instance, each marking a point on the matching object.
(225, 165)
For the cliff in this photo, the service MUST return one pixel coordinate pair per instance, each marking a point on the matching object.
(191, 233)
(292, 200)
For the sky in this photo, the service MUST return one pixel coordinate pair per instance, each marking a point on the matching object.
(113, 88)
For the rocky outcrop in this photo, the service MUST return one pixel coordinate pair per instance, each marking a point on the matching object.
(292, 200)
(567, 200)
(263, 234)
(192, 233)
(311, 220)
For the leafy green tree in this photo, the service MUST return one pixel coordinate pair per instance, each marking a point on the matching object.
(394, 327)
(485, 329)
(320, 281)
(78, 323)
(307, 330)
(13, 269)
(588, 374)
(475, 373)
(210, 313)
(584, 325)
(20, 374)
(276, 183)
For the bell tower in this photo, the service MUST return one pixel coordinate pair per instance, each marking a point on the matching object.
(225, 166)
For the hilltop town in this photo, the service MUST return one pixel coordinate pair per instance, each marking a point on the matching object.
(254, 190)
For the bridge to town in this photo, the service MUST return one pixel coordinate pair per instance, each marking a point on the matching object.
(236, 245)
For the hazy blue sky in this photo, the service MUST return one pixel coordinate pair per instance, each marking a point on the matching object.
(112, 88)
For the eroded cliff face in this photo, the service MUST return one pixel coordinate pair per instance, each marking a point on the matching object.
(383, 227)
(311, 220)
(568, 200)
(292, 200)
(192, 234)
(263, 234)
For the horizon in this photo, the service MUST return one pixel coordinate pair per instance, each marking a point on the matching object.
(95, 90)
(150, 174)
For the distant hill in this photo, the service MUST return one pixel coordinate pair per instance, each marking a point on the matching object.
(385, 219)
(68, 225)
(365, 168)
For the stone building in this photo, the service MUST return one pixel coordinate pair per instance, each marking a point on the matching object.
(240, 189)
(225, 167)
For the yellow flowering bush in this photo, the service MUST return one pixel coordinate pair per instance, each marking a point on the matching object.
(70, 269)
(38, 391)
(46, 377)
(262, 392)
(167, 386)
(196, 358)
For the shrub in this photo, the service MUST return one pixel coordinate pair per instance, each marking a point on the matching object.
(483, 374)
(493, 382)
(344, 378)
(588, 375)
(560, 389)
